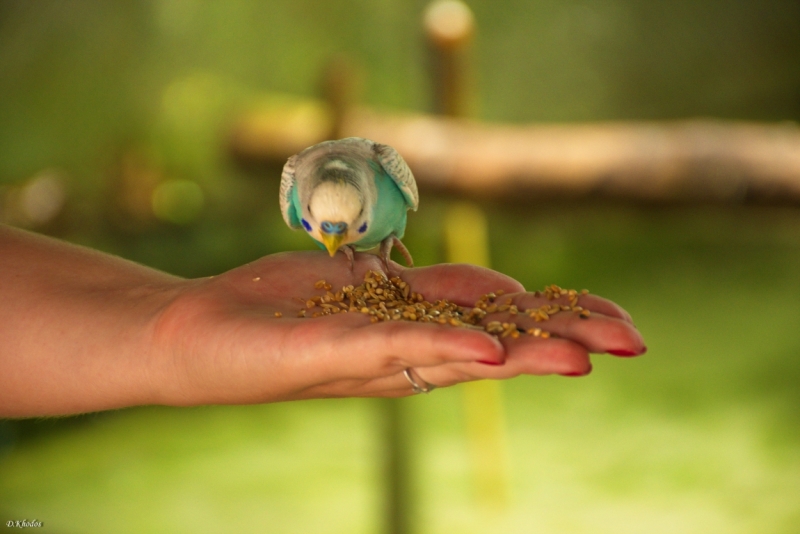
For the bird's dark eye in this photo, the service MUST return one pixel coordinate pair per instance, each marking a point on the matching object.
(306, 225)
(363, 228)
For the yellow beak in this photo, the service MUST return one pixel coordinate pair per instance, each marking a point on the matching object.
(332, 242)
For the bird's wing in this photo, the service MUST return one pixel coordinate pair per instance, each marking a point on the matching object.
(288, 183)
(396, 167)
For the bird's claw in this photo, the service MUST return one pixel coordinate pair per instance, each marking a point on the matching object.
(386, 251)
(350, 253)
(384, 254)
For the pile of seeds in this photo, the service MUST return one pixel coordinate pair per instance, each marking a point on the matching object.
(391, 299)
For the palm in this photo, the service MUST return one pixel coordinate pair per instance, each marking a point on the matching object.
(238, 351)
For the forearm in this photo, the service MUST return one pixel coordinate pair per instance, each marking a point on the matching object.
(76, 328)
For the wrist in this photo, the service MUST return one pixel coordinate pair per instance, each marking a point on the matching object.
(175, 363)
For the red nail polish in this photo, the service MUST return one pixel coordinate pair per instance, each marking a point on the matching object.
(623, 352)
(487, 362)
(577, 373)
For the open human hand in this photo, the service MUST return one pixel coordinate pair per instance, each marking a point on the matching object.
(221, 342)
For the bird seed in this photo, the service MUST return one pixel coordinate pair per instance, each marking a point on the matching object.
(391, 299)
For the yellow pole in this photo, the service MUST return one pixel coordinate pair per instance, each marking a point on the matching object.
(467, 241)
(449, 26)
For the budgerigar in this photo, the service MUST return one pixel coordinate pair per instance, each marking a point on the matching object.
(351, 194)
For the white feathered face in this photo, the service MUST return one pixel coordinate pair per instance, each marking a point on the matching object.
(335, 215)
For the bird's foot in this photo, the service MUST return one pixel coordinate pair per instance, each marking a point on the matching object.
(386, 251)
(350, 253)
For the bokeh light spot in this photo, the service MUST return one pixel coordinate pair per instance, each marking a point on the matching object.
(178, 201)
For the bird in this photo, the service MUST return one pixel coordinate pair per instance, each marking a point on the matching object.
(351, 194)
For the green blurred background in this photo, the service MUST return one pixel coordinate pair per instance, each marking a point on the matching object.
(117, 115)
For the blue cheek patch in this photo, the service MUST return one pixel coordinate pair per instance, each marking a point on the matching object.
(306, 225)
(363, 228)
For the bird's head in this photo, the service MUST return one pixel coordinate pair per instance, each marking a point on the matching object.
(335, 214)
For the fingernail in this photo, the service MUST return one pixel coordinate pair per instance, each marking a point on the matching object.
(487, 362)
(626, 352)
(578, 373)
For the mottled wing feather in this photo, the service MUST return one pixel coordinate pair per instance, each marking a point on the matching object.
(396, 167)
(288, 183)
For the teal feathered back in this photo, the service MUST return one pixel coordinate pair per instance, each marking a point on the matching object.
(388, 215)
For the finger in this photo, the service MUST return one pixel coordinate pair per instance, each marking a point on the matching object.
(597, 332)
(349, 346)
(465, 284)
(606, 307)
(531, 356)
(530, 301)
(402, 344)
(392, 386)
(600, 333)
(461, 283)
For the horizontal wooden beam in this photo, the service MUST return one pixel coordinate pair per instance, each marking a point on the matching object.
(691, 160)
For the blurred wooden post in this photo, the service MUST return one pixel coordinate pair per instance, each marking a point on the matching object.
(449, 27)
(396, 469)
(341, 89)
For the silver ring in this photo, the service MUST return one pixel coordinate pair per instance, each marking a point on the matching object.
(427, 388)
